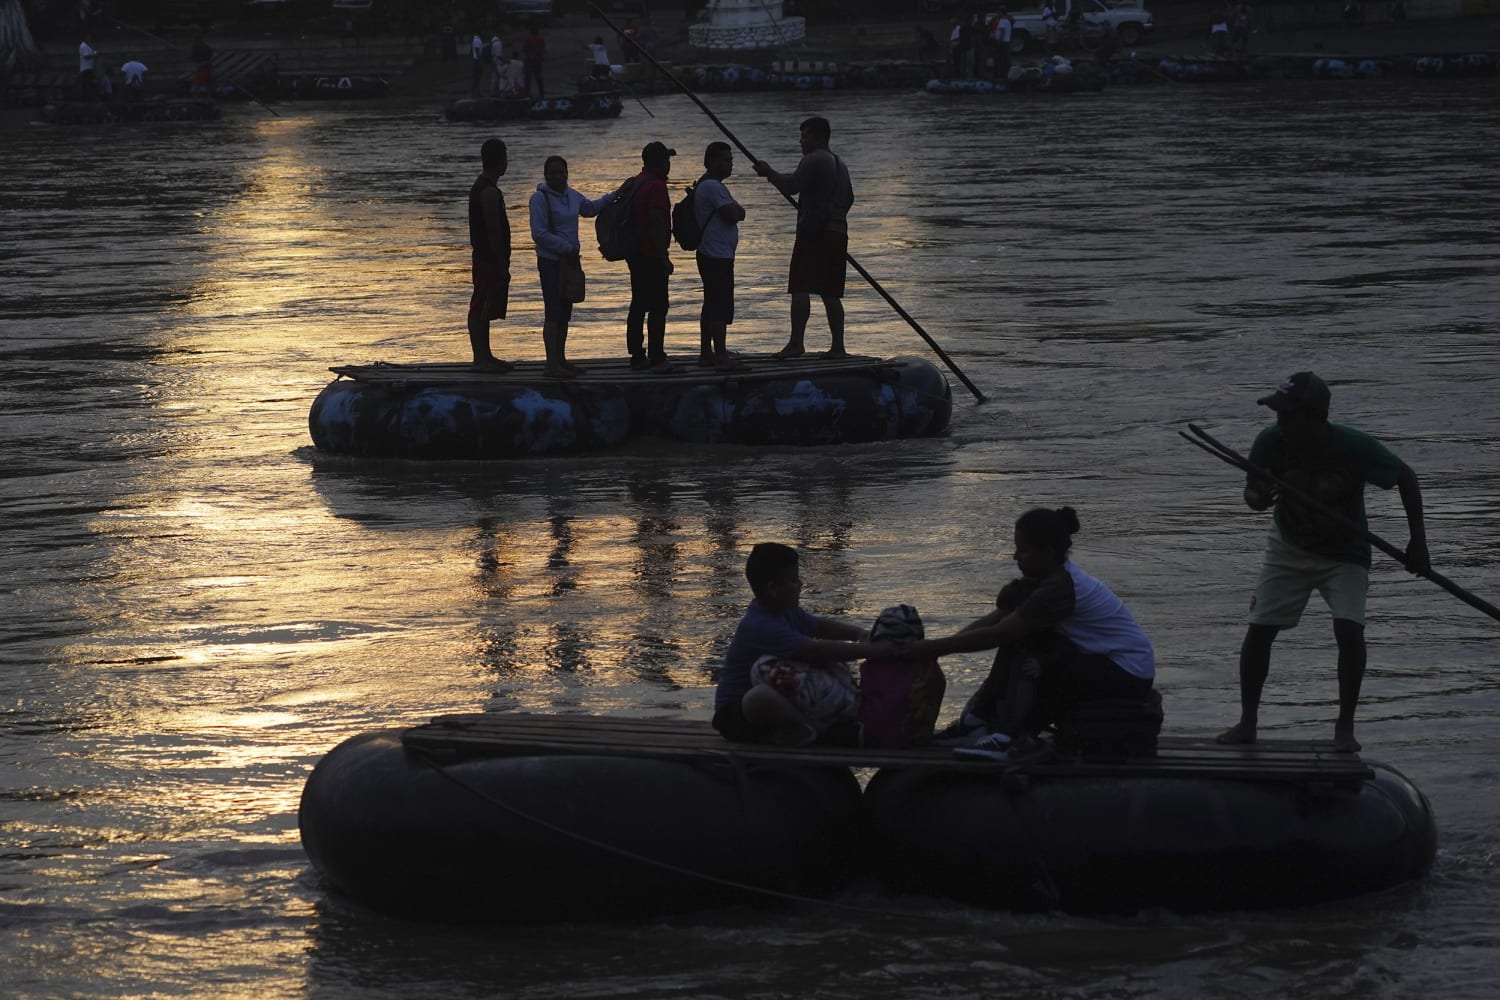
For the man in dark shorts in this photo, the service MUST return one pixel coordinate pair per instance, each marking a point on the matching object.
(718, 216)
(489, 235)
(825, 194)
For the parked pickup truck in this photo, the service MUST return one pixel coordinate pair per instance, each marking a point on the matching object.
(1131, 21)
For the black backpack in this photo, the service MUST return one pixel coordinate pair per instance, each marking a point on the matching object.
(685, 226)
(615, 224)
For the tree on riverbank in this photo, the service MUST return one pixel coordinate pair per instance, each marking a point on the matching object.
(16, 43)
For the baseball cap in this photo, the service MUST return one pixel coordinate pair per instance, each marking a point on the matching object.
(655, 152)
(1302, 391)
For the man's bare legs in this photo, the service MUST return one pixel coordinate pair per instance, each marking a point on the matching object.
(1351, 639)
(801, 312)
(1255, 664)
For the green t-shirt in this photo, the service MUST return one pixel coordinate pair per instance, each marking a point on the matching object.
(1335, 471)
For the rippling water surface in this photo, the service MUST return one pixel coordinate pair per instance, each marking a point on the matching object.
(195, 605)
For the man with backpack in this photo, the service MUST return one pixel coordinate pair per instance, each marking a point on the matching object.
(650, 261)
(707, 220)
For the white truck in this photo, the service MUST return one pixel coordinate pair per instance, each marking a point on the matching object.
(1131, 21)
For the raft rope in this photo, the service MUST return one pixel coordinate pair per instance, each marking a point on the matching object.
(979, 397)
(791, 897)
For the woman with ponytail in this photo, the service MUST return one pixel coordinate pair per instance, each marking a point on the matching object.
(1068, 640)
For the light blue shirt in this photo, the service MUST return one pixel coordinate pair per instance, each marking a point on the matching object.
(720, 236)
(554, 219)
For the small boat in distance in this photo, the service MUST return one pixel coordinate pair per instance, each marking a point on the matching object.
(508, 109)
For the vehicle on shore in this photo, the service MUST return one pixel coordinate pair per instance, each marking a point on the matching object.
(1129, 20)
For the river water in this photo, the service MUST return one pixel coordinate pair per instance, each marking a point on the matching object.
(195, 605)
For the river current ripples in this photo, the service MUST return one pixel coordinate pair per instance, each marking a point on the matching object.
(195, 605)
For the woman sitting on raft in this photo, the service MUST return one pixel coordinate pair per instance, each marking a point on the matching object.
(1063, 638)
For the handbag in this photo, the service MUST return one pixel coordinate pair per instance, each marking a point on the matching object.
(570, 278)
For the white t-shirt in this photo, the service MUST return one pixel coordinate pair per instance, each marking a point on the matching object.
(133, 70)
(86, 56)
(497, 52)
(720, 238)
(476, 48)
(601, 54)
(1001, 32)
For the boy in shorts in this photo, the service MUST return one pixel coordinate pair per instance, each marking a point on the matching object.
(776, 625)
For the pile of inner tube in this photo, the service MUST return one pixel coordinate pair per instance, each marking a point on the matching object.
(1477, 64)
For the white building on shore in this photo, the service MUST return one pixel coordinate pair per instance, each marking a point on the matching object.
(746, 24)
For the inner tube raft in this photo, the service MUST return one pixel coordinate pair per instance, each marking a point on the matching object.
(1117, 844)
(528, 838)
(440, 411)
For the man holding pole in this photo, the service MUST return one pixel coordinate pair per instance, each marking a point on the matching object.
(1308, 548)
(824, 196)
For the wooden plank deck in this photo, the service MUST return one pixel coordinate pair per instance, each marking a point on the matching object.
(496, 734)
(759, 367)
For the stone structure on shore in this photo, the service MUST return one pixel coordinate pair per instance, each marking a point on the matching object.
(746, 24)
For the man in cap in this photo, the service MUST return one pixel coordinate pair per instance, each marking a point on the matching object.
(650, 263)
(1307, 549)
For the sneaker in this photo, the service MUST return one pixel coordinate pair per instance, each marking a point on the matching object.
(800, 735)
(995, 746)
(639, 363)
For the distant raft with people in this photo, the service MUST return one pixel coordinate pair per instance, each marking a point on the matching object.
(508, 109)
(450, 411)
(521, 817)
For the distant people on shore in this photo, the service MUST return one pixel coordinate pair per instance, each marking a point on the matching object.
(533, 55)
(718, 217)
(1000, 38)
(1239, 28)
(489, 239)
(203, 67)
(134, 72)
(1309, 549)
(496, 55)
(1218, 36)
(88, 86)
(515, 76)
(599, 54)
(650, 261)
(554, 211)
(927, 47)
(478, 57)
(825, 194)
(629, 41)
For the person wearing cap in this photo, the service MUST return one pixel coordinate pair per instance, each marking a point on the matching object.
(489, 237)
(824, 196)
(1307, 550)
(650, 263)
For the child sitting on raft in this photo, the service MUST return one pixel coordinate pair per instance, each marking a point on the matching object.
(785, 679)
(1063, 638)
